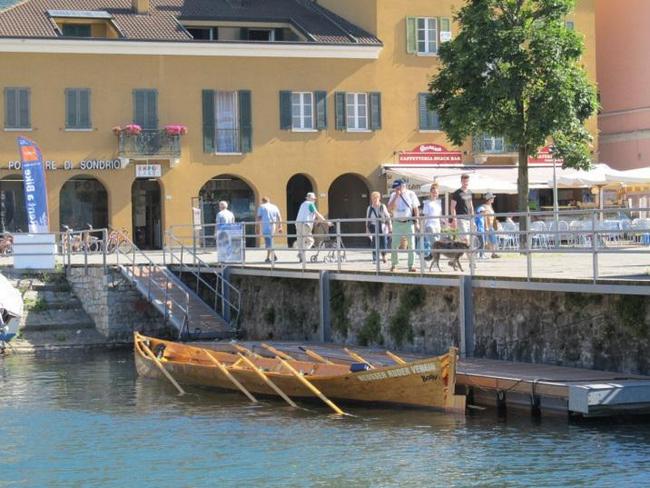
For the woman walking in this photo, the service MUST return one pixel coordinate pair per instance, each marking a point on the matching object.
(378, 225)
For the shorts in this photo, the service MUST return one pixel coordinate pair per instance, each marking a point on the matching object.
(463, 227)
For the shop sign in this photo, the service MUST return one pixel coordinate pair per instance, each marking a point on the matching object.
(430, 154)
(148, 170)
(67, 165)
(544, 156)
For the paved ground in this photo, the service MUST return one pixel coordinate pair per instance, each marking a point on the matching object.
(613, 264)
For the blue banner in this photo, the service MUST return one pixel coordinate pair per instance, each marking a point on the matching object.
(34, 183)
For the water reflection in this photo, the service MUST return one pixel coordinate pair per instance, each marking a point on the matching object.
(88, 420)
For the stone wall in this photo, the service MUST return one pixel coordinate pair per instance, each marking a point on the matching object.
(608, 332)
(116, 307)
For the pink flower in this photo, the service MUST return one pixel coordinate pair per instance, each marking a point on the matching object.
(175, 130)
(132, 129)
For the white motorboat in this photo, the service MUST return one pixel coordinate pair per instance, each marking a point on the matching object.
(11, 310)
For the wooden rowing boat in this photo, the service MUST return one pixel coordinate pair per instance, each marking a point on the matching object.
(427, 383)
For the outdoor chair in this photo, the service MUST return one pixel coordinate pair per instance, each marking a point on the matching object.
(578, 237)
(507, 237)
(539, 235)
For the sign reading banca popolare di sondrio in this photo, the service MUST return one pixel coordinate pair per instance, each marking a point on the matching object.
(84, 165)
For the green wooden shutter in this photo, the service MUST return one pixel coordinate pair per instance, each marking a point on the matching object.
(139, 107)
(11, 108)
(321, 109)
(24, 108)
(339, 112)
(445, 30)
(423, 112)
(208, 121)
(70, 109)
(285, 110)
(84, 109)
(411, 36)
(375, 110)
(152, 109)
(245, 121)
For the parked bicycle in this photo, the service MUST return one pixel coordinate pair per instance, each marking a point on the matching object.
(6, 245)
(82, 241)
(119, 241)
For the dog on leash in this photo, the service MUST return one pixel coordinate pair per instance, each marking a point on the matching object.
(454, 257)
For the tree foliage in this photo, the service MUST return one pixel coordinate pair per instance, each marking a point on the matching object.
(514, 70)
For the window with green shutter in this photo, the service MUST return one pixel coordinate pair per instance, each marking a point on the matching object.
(145, 108)
(245, 121)
(303, 111)
(17, 108)
(429, 119)
(425, 34)
(77, 108)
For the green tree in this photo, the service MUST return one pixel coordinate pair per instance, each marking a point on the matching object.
(514, 70)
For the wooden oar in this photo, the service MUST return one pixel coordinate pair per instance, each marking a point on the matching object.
(227, 374)
(356, 357)
(158, 363)
(311, 387)
(277, 352)
(245, 350)
(267, 380)
(314, 355)
(395, 358)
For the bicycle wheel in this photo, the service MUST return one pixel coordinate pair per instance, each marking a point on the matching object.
(125, 247)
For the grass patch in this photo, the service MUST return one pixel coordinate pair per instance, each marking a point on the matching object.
(370, 333)
(37, 305)
(400, 323)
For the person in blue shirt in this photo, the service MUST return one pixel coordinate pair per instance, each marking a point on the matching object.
(270, 222)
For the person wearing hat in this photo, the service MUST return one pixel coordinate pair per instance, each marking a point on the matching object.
(485, 226)
(403, 205)
(307, 215)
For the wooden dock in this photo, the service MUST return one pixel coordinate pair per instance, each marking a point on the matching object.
(541, 389)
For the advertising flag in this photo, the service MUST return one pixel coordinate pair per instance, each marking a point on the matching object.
(31, 161)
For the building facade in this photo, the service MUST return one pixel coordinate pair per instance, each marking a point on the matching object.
(148, 112)
(623, 73)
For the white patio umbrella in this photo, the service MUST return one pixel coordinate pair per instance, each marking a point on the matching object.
(600, 175)
(478, 183)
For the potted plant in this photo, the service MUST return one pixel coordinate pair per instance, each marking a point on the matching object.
(175, 130)
(132, 129)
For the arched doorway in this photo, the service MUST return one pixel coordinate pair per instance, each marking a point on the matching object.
(348, 199)
(13, 216)
(83, 200)
(241, 201)
(297, 187)
(147, 213)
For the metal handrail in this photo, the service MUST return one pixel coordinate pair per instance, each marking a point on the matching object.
(169, 302)
(220, 297)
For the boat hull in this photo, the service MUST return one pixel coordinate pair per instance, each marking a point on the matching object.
(426, 383)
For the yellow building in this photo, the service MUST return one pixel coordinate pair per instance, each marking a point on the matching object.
(279, 97)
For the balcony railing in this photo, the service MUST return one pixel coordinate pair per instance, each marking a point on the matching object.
(492, 145)
(150, 143)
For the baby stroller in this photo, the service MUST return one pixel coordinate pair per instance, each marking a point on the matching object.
(326, 242)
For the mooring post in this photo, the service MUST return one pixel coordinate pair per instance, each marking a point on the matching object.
(324, 302)
(466, 316)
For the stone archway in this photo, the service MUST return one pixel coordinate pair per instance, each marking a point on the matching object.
(297, 188)
(83, 200)
(348, 198)
(13, 215)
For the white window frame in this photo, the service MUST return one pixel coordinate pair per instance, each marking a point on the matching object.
(492, 141)
(431, 29)
(306, 123)
(352, 112)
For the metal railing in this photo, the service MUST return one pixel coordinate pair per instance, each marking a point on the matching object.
(134, 263)
(347, 244)
(149, 142)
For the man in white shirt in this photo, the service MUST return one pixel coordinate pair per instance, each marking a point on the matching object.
(225, 216)
(403, 205)
(307, 214)
(432, 210)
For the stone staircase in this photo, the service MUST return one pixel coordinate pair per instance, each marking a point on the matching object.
(54, 317)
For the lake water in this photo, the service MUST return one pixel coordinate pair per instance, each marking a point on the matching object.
(87, 420)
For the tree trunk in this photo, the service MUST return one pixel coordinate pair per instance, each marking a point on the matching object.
(522, 189)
